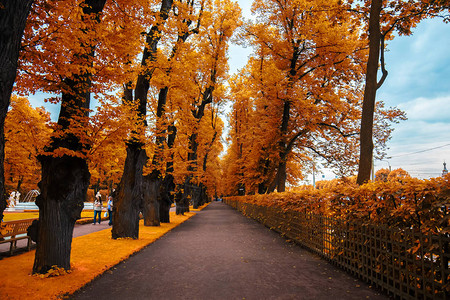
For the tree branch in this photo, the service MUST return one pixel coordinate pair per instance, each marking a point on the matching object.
(293, 139)
(383, 66)
(339, 130)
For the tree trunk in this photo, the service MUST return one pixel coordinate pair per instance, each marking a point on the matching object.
(279, 182)
(164, 211)
(168, 185)
(280, 178)
(189, 194)
(370, 90)
(154, 206)
(152, 199)
(128, 202)
(166, 198)
(266, 167)
(241, 188)
(63, 187)
(182, 200)
(13, 17)
(203, 196)
(196, 195)
(262, 188)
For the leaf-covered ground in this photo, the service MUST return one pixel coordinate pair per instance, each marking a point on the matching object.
(92, 255)
(34, 215)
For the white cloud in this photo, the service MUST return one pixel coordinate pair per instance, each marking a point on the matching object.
(428, 35)
(419, 147)
(430, 110)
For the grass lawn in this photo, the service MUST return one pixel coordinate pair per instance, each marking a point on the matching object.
(13, 216)
(34, 215)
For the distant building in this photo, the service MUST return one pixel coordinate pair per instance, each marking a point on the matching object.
(445, 171)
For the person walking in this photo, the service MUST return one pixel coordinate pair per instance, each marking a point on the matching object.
(110, 208)
(98, 205)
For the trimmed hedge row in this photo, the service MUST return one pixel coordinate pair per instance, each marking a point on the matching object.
(406, 203)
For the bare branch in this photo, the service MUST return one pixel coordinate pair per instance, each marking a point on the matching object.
(339, 130)
(383, 66)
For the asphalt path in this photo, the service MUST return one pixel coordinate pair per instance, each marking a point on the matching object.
(220, 254)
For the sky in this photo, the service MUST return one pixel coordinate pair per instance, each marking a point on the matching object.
(418, 83)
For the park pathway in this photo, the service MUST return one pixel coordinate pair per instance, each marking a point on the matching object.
(220, 254)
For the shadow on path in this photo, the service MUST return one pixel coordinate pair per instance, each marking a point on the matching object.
(220, 254)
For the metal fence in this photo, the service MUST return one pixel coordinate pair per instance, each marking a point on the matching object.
(402, 263)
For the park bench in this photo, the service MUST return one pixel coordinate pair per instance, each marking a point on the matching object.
(14, 231)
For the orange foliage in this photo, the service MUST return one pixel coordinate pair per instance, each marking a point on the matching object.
(70, 53)
(27, 131)
(299, 96)
(108, 130)
(34, 215)
(401, 16)
(420, 205)
(194, 70)
(382, 174)
(398, 174)
(385, 174)
(55, 44)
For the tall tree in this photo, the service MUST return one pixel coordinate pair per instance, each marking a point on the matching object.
(13, 17)
(366, 148)
(305, 51)
(129, 198)
(385, 18)
(225, 20)
(27, 131)
(65, 173)
(160, 181)
(209, 150)
(233, 164)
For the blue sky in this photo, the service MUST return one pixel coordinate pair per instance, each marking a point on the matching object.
(418, 83)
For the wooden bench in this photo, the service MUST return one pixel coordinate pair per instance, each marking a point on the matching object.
(14, 231)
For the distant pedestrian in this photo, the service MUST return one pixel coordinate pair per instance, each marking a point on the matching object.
(110, 209)
(98, 205)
